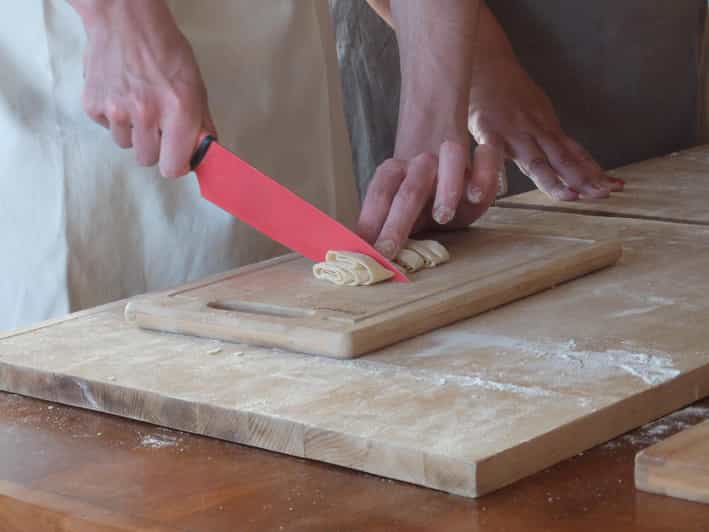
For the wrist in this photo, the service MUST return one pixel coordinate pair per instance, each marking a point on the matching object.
(93, 12)
(428, 119)
(102, 14)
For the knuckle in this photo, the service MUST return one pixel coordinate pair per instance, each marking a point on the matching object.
(180, 101)
(567, 160)
(451, 146)
(426, 159)
(537, 164)
(413, 191)
(390, 166)
(173, 169)
(146, 158)
(116, 114)
(143, 113)
(377, 192)
(91, 107)
(169, 171)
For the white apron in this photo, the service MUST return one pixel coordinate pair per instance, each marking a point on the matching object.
(81, 224)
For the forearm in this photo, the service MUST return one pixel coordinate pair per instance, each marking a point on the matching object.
(492, 43)
(437, 48)
(383, 9)
(100, 13)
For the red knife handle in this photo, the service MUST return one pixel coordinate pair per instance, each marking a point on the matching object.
(201, 151)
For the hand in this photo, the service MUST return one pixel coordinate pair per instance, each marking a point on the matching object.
(429, 183)
(511, 112)
(142, 81)
(428, 192)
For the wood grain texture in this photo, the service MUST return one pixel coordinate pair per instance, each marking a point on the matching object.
(282, 305)
(678, 466)
(673, 188)
(23, 509)
(466, 409)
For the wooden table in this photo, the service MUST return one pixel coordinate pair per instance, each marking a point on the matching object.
(64, 469)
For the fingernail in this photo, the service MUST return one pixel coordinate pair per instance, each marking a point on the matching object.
(475, 194)
(572, 190)
(386, 248)
(442, 214)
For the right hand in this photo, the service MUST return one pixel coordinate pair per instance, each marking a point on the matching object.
(511, 112)
(142, 82)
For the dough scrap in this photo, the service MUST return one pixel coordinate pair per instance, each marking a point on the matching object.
(347, 268)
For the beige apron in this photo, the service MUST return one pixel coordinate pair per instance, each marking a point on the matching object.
(81, 224)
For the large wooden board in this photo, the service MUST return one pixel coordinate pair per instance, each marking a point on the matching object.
(465, 409)
(678, 466)
(280, 304)
(671, 188)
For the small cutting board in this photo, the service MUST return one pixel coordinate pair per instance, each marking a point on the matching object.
(678, 466)
(280, 304)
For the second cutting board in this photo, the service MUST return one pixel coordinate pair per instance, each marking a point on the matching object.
(278, 303)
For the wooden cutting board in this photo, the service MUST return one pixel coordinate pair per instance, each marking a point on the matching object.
(280, 304)
(673, 188)
(466, 409)
(678, 466)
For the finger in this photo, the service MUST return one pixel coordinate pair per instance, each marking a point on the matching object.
(615, 184)
(410, 199)
(180, 132)
(380, 194)
(146, 142)
(102, 121)
(482, 186)
(452, 165)
(145, 134)
(120, 127)
(498, 143)
(93, 108)
(572, 170)
(533, 163)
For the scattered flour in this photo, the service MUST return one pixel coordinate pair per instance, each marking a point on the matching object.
(650, 368)
(158, 441)
(662, 428)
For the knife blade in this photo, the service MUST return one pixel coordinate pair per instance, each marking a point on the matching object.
(269, 207)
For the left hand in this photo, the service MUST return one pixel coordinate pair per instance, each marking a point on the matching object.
(428, 191)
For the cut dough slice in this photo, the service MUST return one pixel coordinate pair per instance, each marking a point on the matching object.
(347, 268)
(409, 260)
(432, 252)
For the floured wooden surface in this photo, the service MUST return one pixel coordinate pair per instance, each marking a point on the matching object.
(466, 409)
(670, 188)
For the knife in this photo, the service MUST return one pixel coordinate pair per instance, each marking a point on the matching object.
(266, 205)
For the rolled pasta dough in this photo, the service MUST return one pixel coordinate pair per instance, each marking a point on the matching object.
(347, 268)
